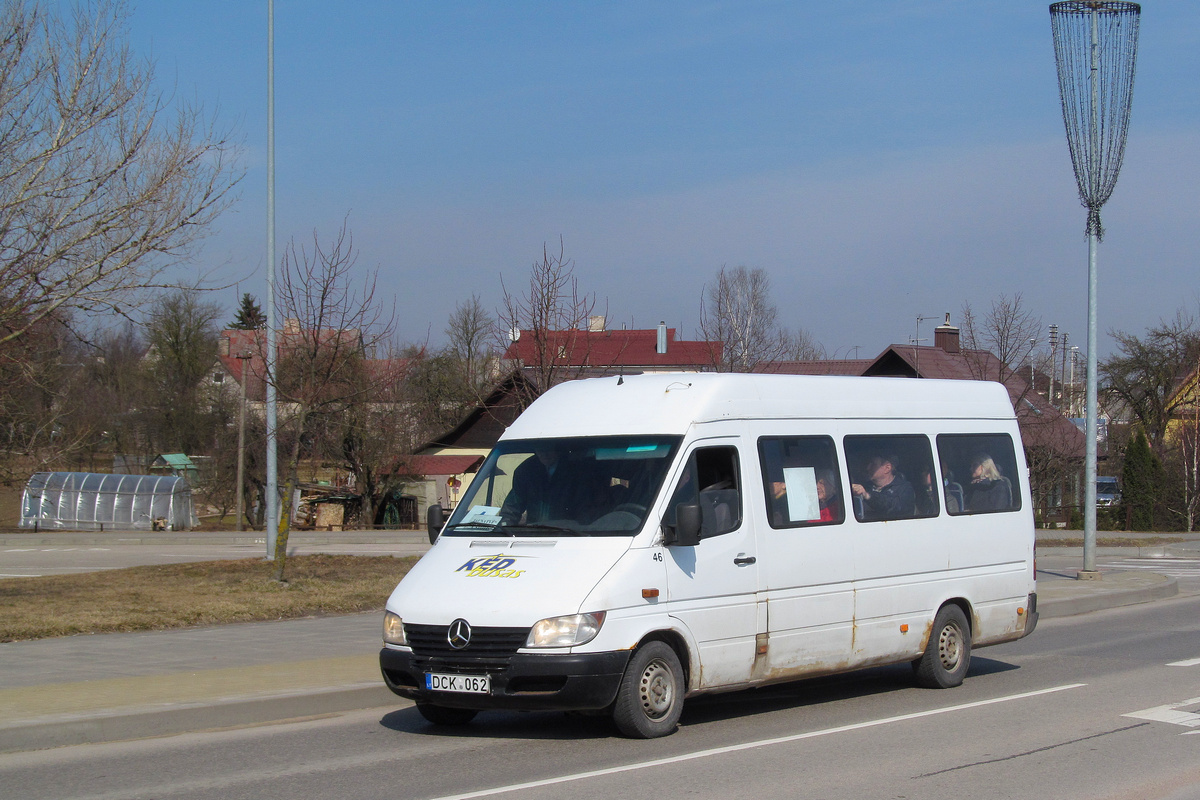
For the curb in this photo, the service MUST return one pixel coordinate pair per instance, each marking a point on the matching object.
(1151, 587)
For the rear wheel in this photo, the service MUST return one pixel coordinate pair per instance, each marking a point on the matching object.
(650, 699)
(947, 656)
(441, 715)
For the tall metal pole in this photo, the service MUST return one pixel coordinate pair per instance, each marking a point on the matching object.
(1095, 79)
(243, 357)
(272, 490)
(1063, 392)
(1053, 362)
(1090, 430)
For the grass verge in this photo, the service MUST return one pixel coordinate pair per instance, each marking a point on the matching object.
(199, 593)
(1110, 541)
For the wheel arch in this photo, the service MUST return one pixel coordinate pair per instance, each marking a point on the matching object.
(968, 611)
(677, 642)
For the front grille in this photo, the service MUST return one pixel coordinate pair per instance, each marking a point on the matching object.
(429, 641)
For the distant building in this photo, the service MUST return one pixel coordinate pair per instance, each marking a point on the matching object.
(604, 351)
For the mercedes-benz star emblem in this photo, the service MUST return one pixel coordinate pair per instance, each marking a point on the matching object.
(459, 635)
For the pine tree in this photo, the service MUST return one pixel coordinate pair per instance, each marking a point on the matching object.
(250, 315)
(1141, 479)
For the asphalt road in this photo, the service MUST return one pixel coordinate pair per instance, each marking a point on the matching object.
(1104, 705)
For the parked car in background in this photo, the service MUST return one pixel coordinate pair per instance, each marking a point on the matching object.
(1108, 491)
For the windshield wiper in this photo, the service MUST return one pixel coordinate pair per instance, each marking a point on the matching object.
(537, 526)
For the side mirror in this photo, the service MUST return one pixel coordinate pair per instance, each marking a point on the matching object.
(435, 518)
(687, 525)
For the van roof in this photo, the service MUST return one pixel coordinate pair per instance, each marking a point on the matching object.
(669, 403)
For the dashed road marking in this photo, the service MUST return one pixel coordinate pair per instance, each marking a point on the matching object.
(1191, 662)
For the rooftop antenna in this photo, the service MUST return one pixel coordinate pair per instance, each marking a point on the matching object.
(916, 341)
(1095, 51)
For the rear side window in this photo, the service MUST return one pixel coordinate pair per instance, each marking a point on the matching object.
(979, 473)
(802, 483)
(891, 477)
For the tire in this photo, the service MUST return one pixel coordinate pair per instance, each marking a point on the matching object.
(441, 715)
(650, 698)
(947, 656)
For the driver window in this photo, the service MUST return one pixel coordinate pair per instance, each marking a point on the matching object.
(711, 479)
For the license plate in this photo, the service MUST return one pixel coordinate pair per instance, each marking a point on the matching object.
(470, 684)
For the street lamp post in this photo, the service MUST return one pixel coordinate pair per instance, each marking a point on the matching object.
(243, 357)
(1053, 352)
(1095, 53)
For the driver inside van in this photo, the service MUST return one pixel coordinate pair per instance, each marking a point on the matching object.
(545, 487)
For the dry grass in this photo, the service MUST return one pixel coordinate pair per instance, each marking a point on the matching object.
(1111, 541)
(201, 593)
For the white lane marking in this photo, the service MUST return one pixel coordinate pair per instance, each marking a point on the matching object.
(1171, 714)
(717, 751)
(1171, 567)
(1191, 662)
(21, 550)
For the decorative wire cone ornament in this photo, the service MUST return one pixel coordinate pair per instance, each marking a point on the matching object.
(1095, 50)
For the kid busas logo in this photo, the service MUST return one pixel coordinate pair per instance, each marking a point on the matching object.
(497, 566)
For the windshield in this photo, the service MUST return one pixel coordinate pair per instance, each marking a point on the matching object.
(584, 486)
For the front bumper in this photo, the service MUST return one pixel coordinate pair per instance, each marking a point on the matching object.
(522, 681)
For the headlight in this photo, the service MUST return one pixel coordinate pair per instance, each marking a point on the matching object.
(565, 631)
(393, 629)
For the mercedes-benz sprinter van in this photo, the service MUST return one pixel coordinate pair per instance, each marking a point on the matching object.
(633, 541)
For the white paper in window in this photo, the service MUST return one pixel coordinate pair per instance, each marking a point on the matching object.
(482, 515)
(801, 483)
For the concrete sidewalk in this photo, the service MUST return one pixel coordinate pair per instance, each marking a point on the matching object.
(111, 687)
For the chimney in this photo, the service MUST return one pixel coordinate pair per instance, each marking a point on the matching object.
(945, 336)
(661, 345)
(596, 323)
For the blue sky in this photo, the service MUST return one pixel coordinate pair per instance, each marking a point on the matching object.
(880, 160)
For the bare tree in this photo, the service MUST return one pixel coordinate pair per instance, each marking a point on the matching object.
(738, 320)
(334, 324)
(182, 337)
(551, 318)
(43, 400)
(471, 333)
(114, 386)
(801, 346)
(1144, 374)
(1188, 459)
(369, 430)
(1009, 331)
(102, 185)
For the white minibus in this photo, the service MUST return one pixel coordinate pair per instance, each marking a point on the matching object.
(633, 541)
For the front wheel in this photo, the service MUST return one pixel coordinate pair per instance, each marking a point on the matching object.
(441, 715)
(947, 656)
(650, 699)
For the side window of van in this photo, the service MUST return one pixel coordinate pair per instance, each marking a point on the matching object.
(801, 481)
(891, 477)
(979, 473)
(712, 479)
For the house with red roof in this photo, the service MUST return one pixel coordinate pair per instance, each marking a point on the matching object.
(602, 351)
